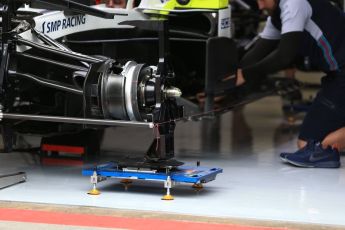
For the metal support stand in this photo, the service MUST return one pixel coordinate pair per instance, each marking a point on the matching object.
(94, 180)
(168, 185)
(219, 65)
(7, 48)
(12, 179)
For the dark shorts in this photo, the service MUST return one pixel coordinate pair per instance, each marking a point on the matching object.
(327, 113)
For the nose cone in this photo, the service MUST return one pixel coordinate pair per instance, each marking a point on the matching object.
(172, 92)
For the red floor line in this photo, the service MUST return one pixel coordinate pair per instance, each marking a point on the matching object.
(86, 220)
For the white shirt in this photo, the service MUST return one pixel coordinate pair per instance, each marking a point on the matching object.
(295, 15)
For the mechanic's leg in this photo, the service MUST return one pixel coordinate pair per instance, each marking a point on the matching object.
(326, 115)
(335, 139)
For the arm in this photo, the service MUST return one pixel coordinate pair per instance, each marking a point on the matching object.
(279, 59)
(268, 41)
(262, 48)
(294, 16)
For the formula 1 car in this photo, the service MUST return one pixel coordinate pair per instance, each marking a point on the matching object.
(202, 50)
(45, 85)
(73, 66)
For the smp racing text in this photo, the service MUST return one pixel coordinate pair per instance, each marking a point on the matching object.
(62, 24)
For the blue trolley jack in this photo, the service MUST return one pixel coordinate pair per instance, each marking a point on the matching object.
(196, 175)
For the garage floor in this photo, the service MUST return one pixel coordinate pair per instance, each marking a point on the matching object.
(246, 143)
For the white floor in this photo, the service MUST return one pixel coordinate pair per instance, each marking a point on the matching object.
(255, 183)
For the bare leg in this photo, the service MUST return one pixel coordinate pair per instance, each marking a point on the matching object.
(301, 143)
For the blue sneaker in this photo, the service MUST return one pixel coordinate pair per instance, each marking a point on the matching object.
(315, 157)
(283, 156)
(308, 147)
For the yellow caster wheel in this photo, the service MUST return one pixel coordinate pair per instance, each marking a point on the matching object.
(94, 192)
(198, 187)
(168, 197)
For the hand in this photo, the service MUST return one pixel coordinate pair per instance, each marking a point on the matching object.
(240, 78)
